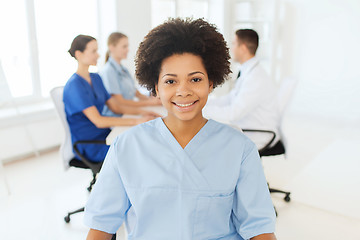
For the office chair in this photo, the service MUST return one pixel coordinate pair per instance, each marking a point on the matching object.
(66, 147)
(284, 96)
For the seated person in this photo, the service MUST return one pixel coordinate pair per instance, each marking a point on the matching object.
(117, 79)
(252, 102)
(84, 99)
(182, 176)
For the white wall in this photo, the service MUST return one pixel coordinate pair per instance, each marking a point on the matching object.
(107, 24)
(134, 20)
(320, 46)
(25, 134)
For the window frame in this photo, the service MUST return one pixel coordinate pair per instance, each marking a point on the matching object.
(36, 95)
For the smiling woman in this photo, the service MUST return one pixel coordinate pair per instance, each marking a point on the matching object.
(182, 176)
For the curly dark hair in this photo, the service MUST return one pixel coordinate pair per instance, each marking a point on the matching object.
(177, 36)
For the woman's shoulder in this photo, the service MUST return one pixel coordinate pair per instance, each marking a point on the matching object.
(95, 76)
(226, 128)
(228, 131)
(106, 69)
(143, 129)
(135, 134)
(73, 81)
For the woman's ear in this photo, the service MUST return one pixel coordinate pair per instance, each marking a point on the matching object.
(111, 48)
(211, 86)
(157, 91)
(77, 54)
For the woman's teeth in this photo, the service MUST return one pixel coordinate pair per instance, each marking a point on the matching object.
(184, 105)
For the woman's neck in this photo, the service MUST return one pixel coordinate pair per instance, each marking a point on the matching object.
(184, 131)
(83, 71)
(117, 59)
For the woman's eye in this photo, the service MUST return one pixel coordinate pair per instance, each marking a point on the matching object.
(196, 79)
(169, 81)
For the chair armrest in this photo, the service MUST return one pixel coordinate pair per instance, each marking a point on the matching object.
(263, 131)
(95, 167)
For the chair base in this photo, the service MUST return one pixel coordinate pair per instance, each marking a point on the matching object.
(286, 198)
(92, 183)
(287, 194)
(67, 217)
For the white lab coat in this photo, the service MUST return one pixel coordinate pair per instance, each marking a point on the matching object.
(250, 105)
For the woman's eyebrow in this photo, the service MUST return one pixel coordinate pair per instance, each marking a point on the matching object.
(170, 74)
(196, 73)
(175, 75)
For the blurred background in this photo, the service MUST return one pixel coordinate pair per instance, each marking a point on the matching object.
(316, 42)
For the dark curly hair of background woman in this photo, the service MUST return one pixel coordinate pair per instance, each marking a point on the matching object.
(177, 36)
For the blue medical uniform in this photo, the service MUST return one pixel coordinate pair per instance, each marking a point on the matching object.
(214, 188)
(117, 80)
(79, 95)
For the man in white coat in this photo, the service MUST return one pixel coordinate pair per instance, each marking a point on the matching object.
(252, 102)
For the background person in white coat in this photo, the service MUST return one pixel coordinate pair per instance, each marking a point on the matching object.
(252, 102)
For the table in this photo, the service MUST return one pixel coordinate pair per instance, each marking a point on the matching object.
(120, 129)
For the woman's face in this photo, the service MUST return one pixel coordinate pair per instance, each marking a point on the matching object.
(183, 86)
(120, 50)
(90, 55)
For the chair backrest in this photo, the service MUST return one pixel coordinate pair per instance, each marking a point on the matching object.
(284, 97)
(66, 150)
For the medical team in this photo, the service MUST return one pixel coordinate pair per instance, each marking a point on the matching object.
(181, 176)
(85, 98)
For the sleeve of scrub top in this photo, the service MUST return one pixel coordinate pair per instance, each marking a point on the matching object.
(248, 97)
(108, 201)
(111, 81)
(77, 98)
(253, 211)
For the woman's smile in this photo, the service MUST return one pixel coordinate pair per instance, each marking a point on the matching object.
(187, 106)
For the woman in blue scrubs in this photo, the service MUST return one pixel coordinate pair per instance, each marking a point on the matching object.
(84, 99)
(182, 176)
(117, 79)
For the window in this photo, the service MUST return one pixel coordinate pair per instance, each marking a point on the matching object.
(260, 16)
(36, 35)
(14, 48)
(161, 10)
(193, 8)
(57, 23)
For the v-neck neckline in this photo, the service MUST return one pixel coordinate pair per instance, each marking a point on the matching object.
(93, 89)
(91, 85)
(193, 144)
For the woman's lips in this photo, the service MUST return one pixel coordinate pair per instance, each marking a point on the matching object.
(185, 106)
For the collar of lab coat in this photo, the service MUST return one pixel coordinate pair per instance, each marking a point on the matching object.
(248, 65)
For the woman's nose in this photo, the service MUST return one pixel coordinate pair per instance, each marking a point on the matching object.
(183, 90)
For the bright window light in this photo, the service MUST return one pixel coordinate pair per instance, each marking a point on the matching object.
(14, 48)
(57, 24)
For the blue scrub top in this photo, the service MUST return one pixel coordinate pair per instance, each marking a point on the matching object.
(117, 80)
(214, 188)
(79, 95)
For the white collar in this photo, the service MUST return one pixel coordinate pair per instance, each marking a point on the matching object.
(248, 65)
